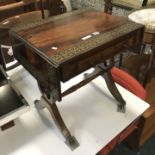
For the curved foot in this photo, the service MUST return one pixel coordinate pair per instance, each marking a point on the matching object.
(115, 92)
(52, 107)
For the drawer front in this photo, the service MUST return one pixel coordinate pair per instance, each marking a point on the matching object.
(99, 55)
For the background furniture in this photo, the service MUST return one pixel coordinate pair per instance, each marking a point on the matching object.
(13, 7)
(53, 7)
(147, 125)
(145, 17)
(6, 25)
(114, 6)
(123, 7)
(131, 84)
(9, 8)
(142, 62)
(24, 13)
(135, 64)
(12, 103)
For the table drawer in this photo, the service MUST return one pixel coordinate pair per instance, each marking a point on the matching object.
(95, 57)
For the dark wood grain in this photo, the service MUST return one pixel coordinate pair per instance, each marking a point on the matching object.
(65, 33)
(74, 55)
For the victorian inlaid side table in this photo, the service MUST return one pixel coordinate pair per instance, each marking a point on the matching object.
(57, 49)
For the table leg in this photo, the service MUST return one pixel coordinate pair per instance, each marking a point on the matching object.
(106, 74)
(114, 91)
(52, 107)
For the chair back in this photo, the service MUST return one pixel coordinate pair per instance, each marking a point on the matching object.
(12, 7)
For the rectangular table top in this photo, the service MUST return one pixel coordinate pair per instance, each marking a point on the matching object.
(64, 37)
(93, 127)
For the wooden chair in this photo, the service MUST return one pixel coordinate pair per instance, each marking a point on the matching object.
(10, 8)
(6, 53)
(14, 7)
(131, 84)
(28, 15)
(126, 5)
(139, 66)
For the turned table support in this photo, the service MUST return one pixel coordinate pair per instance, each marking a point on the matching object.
(54, 111)
(114, 91)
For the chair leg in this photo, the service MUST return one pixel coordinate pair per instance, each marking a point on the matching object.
(120, 60)
(114, 91)
(149, 66)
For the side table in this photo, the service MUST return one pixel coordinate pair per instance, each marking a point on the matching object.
(59, 48)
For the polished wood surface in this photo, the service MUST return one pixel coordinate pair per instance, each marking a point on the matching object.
(68, 33)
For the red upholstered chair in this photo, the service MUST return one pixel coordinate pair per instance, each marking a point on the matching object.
(131, 84)
(127, 81)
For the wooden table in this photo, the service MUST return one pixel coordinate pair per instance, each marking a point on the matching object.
(59, 48)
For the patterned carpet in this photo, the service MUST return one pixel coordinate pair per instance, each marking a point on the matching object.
(147, 149)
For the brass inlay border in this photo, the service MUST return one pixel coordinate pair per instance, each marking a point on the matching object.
(94, 42)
